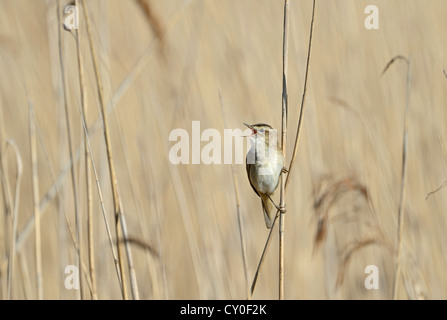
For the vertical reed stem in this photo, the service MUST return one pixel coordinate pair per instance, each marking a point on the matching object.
(267, 243)
(35, 187)
(282, 202)
(70, 148)
(119, 219)
(88, 171)
(300, 120)
(400, 222)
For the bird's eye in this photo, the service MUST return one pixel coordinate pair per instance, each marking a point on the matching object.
(262, 130)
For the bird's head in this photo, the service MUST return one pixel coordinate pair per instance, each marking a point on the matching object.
(258, 129)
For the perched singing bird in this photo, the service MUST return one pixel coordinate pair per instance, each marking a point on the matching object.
(264, 163)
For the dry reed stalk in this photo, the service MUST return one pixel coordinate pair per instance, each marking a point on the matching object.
(282, 202)
(88, 173)
(261, 261)
(35, 188)
(58, 182)
(4, 222)
(6, 207)
(61, 202)
(300, 121)
(70, 144)
(14, 209)
(101, 199)
(113, 181)
(125, 153)
(5, 231)
(400, 222)
(130, 264)
(267, 243)
(120, 225)
(241, 227)
(119, 92)
(131, 240)
(52, 34)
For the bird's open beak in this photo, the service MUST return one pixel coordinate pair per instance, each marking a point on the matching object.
(253, 130)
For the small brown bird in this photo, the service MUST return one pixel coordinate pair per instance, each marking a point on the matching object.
(264, 163)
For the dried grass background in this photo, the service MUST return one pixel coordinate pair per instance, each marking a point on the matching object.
(182, 219)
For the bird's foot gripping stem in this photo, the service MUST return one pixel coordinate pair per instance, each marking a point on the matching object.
(279, 208)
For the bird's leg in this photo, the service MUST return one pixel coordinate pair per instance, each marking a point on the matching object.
(284, 170)
(280, 209)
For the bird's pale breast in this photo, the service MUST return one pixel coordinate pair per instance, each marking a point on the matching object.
(265, 175)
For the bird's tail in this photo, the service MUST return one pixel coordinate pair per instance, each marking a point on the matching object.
(269, 210)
